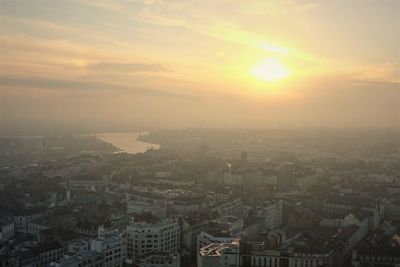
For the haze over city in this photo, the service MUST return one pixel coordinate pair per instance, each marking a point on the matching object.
(155, 64)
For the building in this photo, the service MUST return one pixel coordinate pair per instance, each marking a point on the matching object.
(160, 259)
(7, 229)
(78, 246)
(112, 247)
(147, 202)
(377, 250)
(42, 255)
(219, 255)
(192, 226)
(342, 205)
(37, 225)
(306, 183)
(186, 205)
(86, 259)
(271, 179)
(392, 209)
(230, 207)
(258, 254)
(161, 236)
(21, 221)
(205, 239)
(233, 225)
(273, 214)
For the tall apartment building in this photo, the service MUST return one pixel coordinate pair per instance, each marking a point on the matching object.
(143, 237)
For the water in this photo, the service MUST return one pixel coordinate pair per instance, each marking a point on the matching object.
(127, 142)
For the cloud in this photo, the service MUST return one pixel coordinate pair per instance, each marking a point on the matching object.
(127, 67)
(83, 86)
(308, 6)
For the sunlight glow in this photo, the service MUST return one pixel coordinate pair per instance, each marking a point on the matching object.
(270, 69)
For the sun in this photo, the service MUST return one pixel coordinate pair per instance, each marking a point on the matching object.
(270, 69)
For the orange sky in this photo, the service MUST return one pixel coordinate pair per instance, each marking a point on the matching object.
(185, 63)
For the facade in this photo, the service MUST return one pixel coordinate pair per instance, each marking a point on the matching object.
(204, 239)
(273, 215)
(377, 250)
(219, 255)
(233, 225)
(259, 256)
(392, 209)
(37, 225)
(113, 249)
(21, 221)
(143, 237)
(7, 230)
(78, 246)
(185, 205)
(42, 255)
(146, 202)
(160, 259)
(230, 207)
(86, 259)
(271, 179)
(306, 183)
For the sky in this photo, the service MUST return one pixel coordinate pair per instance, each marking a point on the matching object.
(104, 64)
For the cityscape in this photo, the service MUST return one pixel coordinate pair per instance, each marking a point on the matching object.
(199, 133)
(292, 198)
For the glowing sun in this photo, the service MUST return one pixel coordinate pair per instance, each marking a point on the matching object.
(270, 69)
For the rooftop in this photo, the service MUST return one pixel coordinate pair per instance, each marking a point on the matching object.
(213, 250)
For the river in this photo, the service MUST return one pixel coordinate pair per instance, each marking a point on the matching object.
(127, 142)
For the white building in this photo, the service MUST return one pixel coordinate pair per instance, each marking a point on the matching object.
(273, 214)
(112, 247)
(160, 259)
(219, 255)
(146, 202)
(143, 237)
